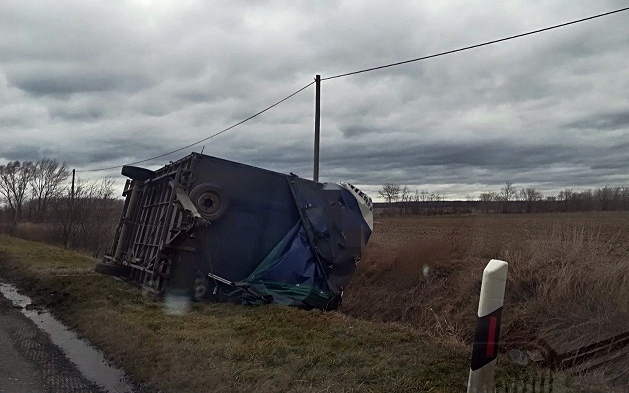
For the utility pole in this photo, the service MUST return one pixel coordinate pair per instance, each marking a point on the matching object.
(315, 175)
(72, 190)
(71, 212)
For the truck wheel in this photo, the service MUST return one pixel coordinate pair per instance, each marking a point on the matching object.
(210, 200)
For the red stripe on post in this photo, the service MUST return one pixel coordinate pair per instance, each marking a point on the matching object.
(491, 337)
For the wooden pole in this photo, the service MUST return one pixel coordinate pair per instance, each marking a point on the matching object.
(72, 190)
(315, 175)
(71, 212)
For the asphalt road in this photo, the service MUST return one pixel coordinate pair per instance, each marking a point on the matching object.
(30, 362)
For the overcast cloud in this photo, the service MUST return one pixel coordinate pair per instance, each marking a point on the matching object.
(106, 83)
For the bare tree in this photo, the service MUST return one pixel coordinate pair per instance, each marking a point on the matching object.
(605, 196)
(507, 194)
(97, 216)
(565, 197)
(48, 176)
(624, 198)
(435, 197)
(64, 213)
(531, 196)
(14, 179)
(390, 192)
(588, 200)
(418, 197)
(405, 198)
(488, 199)
(88, 220)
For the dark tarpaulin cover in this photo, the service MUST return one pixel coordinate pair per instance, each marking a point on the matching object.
(316, 259)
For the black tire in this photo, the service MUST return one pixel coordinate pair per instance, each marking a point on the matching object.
(210, 200)
(112, 269)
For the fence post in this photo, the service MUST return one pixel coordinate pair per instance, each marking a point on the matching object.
(485, 349)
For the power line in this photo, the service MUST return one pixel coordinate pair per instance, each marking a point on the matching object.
(207, 138)
(363, 71)
(477, 45)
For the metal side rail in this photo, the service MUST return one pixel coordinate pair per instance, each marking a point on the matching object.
(590, 356)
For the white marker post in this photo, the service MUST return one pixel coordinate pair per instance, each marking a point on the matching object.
(485, 350)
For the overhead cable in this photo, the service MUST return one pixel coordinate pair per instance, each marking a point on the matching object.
(204, 139)
(477, 45)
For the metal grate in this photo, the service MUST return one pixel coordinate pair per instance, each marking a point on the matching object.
(156, 222)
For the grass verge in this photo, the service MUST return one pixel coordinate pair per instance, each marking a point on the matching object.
(226, 348)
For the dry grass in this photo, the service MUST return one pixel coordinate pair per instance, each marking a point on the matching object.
(568, 279)
(35, 232)
(92, 242)
(414, 285)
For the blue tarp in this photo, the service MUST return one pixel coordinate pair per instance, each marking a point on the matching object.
(315, 260)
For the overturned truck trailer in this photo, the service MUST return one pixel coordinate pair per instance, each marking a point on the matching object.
(215, 229)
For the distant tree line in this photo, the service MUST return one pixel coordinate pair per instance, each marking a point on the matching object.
(530, 200)
(38, 202)
(401, 199)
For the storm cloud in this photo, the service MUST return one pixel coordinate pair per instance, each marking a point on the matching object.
(104, 84)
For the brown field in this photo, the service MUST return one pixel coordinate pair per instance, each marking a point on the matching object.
(423, 272)
(568, 273)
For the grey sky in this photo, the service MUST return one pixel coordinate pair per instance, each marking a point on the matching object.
(105, 83)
